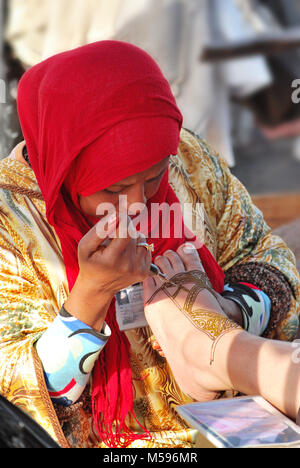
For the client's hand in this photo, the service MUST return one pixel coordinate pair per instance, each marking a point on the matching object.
(171, 263)
(186, 259)
(186, 317)
(206, 351)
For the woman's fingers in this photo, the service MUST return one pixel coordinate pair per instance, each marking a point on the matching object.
(190, 257)
(122, 236)
(125, 242)
(97, 236)
(175, 261)
(164, 265)
(143, 254)
(185, 259)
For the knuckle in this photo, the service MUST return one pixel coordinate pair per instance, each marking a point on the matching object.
(160, 261)
(171, 253)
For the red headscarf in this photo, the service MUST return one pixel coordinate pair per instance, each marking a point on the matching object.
(91, 117)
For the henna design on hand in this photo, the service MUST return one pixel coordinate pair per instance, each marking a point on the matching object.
(213, 324)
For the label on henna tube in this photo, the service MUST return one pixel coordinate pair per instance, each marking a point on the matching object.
(130, 307)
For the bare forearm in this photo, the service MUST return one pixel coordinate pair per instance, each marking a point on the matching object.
(256, 366)
(243, 362)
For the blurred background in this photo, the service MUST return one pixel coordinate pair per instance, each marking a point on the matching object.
(234, 67)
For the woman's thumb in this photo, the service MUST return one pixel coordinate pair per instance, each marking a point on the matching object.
(96, 237)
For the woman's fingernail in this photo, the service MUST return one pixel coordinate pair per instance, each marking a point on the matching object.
(188, 248)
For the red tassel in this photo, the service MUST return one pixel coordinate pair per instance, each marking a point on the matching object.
(112, 395)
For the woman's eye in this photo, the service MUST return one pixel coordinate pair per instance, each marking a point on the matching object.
(150, 181)
(155, 179)
(115, 192)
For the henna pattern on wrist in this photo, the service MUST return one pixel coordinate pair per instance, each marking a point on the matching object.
(213, 324)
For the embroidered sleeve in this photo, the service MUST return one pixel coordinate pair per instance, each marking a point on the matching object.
(68, 350)
(272, 283)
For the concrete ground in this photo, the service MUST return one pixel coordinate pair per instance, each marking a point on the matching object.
(268, 167)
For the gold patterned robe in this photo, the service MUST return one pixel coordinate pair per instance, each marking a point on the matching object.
(33, 287)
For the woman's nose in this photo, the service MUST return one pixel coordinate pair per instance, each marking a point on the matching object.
(136, 196)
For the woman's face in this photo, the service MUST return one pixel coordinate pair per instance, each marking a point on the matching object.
(138, 188)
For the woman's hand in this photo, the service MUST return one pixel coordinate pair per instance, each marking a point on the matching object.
(171, 263)
(106, 269)
(121, 263)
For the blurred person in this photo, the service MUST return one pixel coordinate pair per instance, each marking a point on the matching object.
(174, 32)
(115, 129)
(274, 107)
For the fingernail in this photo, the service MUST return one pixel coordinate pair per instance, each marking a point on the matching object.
(188, 248)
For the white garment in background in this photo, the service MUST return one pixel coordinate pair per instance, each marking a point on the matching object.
(171, 31)
(243, 76)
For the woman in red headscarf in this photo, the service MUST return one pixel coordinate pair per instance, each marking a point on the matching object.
(89, 118)
(99, 122)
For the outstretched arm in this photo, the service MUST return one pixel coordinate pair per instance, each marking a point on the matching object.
(243, 362)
